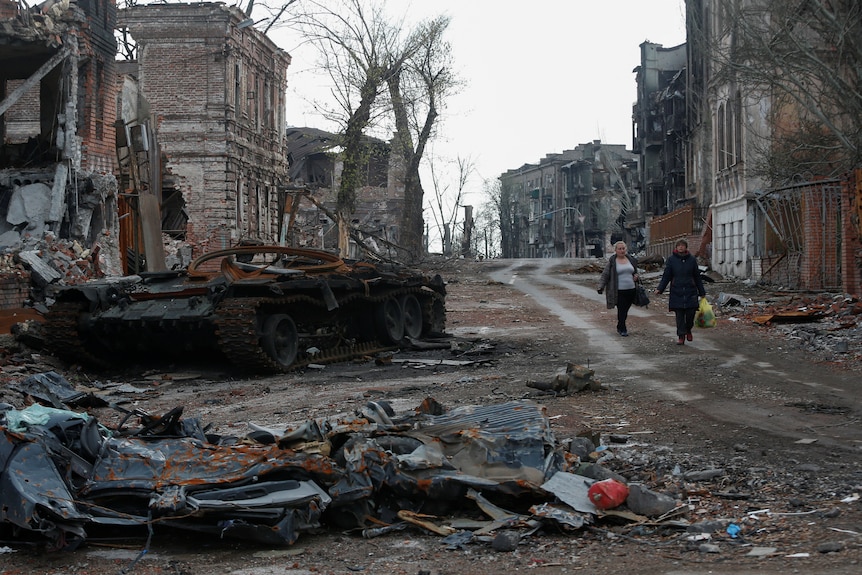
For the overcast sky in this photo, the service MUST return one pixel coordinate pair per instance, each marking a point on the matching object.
(541, 76)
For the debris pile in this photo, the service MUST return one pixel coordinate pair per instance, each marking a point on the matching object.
(475, 475)
(51, 260)
(827, 324)
(64, 473)
(574, 378)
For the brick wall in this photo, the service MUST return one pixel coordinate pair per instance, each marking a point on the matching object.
(97, 82)
(208, 83)
(821, 221)
(851, 254)
(14, 289)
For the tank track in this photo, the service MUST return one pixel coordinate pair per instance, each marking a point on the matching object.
(63, 338)
(239, 340)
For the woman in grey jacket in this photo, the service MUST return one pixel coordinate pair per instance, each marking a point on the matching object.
(618, 278)
(686, 287)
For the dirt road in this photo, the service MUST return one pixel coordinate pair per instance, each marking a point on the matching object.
(736, 377)
(739, 426)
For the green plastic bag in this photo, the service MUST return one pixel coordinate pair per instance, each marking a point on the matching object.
(704, 317)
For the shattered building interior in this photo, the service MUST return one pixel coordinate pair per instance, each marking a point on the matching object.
(57, 109)
(220, 119)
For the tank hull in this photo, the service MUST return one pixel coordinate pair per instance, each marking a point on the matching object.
(265, 308)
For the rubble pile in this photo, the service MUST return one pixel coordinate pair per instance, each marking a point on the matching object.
(53, 260)
(491, 475)
(827, 325)
(497, 468)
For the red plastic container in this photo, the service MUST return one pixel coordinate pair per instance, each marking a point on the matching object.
(608, 493)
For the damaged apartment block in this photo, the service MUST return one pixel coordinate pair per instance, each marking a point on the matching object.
(58, 194)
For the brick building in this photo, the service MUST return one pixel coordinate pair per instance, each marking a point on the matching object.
(215, 88)
(57, 152)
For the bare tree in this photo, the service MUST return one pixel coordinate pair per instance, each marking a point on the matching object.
(418, 85)
(805, 58)
(358, 48)
(379, 66)
(503, 203)
(444, 208)
(486, 236)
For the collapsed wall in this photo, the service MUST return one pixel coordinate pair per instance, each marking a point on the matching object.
(58, 194)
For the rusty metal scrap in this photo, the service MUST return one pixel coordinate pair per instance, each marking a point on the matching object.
(62, 473)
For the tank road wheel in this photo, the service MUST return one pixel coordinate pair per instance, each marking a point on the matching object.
(411, 309)
(389, 321)
(280, 339)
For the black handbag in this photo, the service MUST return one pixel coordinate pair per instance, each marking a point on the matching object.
(641, 297)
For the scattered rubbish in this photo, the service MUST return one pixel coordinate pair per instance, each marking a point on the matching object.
(433, 362)
(63, 473)
(761, 551)
(53, 389)
(644, 501)
(705, 475)
(699, 537)
(830, 547)
(845, 531)
(506, 541)
(458, 540)
(788, 317)
(729, 299)
(572, 490)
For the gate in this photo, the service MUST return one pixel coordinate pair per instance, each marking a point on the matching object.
(799, 235)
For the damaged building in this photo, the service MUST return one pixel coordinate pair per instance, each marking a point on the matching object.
(315, 170)
(58, 193)
(570, 204)
(214, 87)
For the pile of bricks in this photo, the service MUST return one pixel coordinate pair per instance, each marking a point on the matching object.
(25, 275)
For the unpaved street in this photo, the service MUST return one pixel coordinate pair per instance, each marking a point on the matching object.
(731, 376)
(740, 426)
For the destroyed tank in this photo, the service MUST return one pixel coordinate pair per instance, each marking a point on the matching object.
(267, 309)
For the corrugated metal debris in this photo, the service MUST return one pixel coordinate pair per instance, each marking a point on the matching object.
(63, 474)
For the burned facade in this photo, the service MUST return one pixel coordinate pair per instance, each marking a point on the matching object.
(673, 206)
(57, 156)
(601, 188)
(214, 86)
(570, 204)
(315, 170)
(659, 126)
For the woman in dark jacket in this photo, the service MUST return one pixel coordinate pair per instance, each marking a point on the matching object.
(686, 288)
(619, 279)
